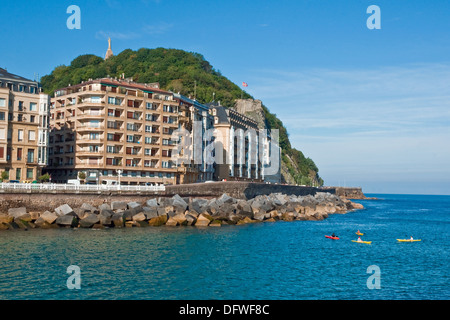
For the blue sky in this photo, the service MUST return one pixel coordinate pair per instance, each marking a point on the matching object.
(370, 107)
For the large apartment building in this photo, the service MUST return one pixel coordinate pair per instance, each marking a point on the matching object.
(24, 117)
(116, 129)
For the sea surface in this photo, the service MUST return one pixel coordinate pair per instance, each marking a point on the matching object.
(271, 260)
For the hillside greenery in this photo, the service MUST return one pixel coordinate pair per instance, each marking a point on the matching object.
(178, 71)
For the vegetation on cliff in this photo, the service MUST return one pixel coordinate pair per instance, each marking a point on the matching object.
(185, 72)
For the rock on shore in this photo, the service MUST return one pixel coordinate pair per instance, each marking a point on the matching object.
(178, 211)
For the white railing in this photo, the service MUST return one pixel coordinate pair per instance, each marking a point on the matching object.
(76, 187)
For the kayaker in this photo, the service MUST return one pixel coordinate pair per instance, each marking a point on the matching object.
(412, 238)
(359, 239)
(333, 235)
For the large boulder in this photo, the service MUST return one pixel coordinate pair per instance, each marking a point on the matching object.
(25, 217)
(128, 214)
(150, 212)
(158, 221)
(48, 217)
(198, 205)
(244, 208)
(105, 220)
(104, 206)
(151, 203)
(118, 205)
(88, 207)
(67, 221)
(63, 210)
(118, 220)
(190, 219)
(133, 205)
(89, 221)
(203, 220)
(225, 198)
(81, 213)
(179, 204)
(4, 218)
(17, 212)
(106, 213)
(171, 222)
(180, 218)
(140, 217)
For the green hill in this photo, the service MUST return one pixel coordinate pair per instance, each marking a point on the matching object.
(185, 72)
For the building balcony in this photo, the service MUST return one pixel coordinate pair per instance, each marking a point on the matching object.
(89, 153)
(88, 104)
(86, 128)
(89, 141)
(89, 115)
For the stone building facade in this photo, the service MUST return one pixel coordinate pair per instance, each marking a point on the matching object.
(24, 118)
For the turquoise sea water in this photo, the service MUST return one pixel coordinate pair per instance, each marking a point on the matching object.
(276, 261)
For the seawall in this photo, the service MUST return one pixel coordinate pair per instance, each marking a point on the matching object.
(39, 201)
(240, 189)
(348, 192)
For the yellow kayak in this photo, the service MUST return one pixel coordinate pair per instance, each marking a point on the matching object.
(408, 240)
(368, 242)
(359, 233)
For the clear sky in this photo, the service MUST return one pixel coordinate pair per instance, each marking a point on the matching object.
(370, 107)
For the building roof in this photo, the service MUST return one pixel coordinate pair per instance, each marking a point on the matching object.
(120, 83)
(221, 114)
(10, 76)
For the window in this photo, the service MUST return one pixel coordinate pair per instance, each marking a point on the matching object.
(30, 156)
(20, 105)
(148, 129)
(2, 102)
(20, 135)
(114, 100)
(32, 119)
(148, 152)
(18, 173)
(94, 124)
(2, 152)
(2, 134)
(33, 106)
(2, 116)
(148, 140)
(29, 173)
(94, 136)
(31, 135)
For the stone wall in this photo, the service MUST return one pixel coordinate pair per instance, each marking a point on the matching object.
(239, 190)
(348, 192)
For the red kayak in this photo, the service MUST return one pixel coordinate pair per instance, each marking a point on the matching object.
(330, 237)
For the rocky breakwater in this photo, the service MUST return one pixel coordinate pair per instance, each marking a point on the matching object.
(178, 211)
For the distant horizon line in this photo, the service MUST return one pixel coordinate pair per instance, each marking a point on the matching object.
(409, 194)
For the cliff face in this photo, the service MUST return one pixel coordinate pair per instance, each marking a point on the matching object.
(252, 109)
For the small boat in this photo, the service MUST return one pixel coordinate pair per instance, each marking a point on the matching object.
(359, 233)
(330, 237)
(367, 242)
(408, 240)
